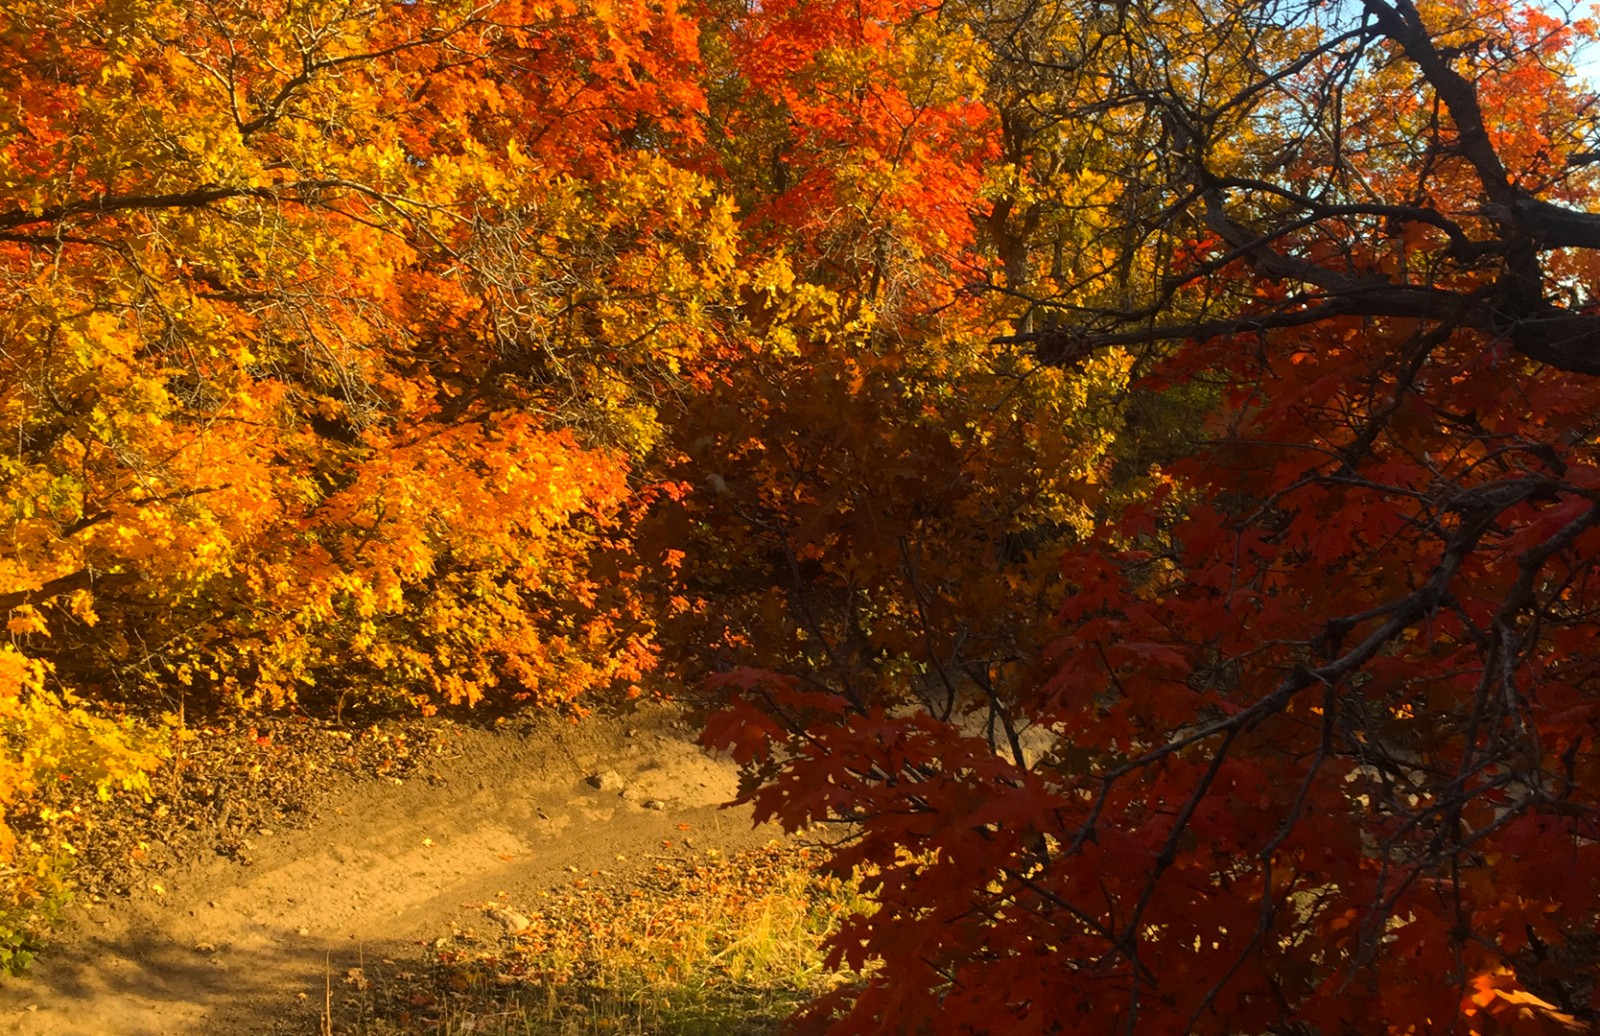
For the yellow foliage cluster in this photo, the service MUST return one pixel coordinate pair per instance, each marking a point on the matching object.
(47, 738)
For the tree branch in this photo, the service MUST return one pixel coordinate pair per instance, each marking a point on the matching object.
(84, 580)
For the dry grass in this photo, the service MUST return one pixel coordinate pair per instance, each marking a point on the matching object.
(701, 946)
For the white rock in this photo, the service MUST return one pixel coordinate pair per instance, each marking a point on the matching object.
(606, 780)
(510, 920)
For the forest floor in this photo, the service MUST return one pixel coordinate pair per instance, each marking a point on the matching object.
(249, 915)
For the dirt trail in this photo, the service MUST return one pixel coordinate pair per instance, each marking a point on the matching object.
(229, 950)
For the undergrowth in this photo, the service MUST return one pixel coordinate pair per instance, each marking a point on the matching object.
(706, 946)
(55, 757)
(33, 892)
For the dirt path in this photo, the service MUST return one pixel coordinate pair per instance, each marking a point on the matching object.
(223, 949)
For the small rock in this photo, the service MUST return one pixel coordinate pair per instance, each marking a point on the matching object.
(302, 931)
(605, 780)
(653, 804)
(510, 920)
(205, 947)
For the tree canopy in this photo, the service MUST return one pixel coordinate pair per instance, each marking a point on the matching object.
(1135, 463)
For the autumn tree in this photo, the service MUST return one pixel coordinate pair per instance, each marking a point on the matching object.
(334, 339)
(1315, 728)
(333, 336)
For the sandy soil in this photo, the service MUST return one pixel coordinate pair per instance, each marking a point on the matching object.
(217, 947)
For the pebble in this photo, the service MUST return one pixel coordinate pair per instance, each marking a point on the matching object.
(510, 920)
(605, 780)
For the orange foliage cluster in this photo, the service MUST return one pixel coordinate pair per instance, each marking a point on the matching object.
(316, 346)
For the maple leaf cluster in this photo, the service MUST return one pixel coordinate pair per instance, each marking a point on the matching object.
(1306, 741)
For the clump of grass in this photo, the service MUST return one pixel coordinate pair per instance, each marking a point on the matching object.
(33, 892)
(706, 946)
